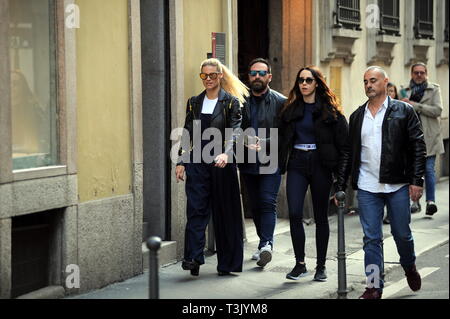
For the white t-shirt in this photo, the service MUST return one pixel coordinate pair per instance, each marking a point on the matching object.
(209, 105)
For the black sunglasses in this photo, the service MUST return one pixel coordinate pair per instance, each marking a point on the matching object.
(261, 73)
(212, 76)
(307, 80)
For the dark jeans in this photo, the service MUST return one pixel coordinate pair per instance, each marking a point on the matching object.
(305, 169)
(430, 178)
(262, 191)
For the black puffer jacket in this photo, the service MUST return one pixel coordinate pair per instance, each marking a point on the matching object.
(227, 114)
(403, 150)
(331, 136)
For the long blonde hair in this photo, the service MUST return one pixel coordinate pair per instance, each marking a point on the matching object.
(229, 82)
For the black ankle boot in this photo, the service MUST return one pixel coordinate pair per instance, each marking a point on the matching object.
(195, 271)
(193, 266)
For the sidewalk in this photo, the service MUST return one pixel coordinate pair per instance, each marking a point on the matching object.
(270, 282)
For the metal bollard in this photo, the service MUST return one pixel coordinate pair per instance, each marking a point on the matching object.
(153, 244)
(342, 272)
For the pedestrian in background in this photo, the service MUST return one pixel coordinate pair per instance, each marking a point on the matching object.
(213, 185)
(392, 92)
(313, 149)
(260, 113)
(387, 167)
(426, 99)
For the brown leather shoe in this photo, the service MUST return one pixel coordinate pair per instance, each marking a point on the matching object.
(413, 278)
(371, 293)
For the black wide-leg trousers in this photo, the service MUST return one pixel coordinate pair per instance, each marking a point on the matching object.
(214, 190)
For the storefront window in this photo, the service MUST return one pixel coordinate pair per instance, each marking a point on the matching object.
(33, 83)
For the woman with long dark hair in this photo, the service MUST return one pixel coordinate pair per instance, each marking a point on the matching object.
(392, 90)
(313, 150)
(212, 184)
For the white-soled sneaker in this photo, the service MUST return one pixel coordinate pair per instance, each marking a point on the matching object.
(265, 255)
(255, 256)
(298, 271)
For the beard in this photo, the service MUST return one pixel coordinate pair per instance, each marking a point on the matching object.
(258, 86)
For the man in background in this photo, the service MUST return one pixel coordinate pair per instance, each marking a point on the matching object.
(426, 99)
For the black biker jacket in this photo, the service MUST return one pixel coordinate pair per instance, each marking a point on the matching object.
(403, 148)
(226, 114)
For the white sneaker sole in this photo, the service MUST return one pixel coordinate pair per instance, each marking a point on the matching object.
(264, 258)
(296, 278)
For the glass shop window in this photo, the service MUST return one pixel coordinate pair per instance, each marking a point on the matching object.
(33, 83)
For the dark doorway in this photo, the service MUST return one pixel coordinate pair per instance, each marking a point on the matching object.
(253, 26)
(35, 251)
(156, 118)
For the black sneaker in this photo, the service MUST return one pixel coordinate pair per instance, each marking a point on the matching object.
(431, 208)
(298, 271)
(321, 274)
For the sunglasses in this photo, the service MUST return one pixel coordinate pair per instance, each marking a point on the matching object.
(261, 73)
(212, 76)
(419, 73)
(307, 80)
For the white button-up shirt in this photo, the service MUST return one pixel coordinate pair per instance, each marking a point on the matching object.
(371, 138)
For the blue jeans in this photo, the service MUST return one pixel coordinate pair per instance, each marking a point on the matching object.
(262, 191)
(371, 207)
(430, 179)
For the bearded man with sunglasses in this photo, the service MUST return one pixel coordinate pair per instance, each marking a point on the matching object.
(259, 114)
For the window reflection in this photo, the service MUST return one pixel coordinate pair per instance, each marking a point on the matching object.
(33, 83)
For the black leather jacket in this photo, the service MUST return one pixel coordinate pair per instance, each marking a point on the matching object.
(267, 118)
(331, 134)
(226, 114)
(403, 151)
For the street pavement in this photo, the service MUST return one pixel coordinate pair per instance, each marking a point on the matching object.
(271, 283)
(433, 268)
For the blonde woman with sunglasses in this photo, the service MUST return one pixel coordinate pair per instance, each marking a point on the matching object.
(211, 181)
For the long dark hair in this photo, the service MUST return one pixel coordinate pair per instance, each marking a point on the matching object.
(327, 99)
(390, 84)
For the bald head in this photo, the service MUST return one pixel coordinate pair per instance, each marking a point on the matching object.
(377, 69)
(375, 82)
